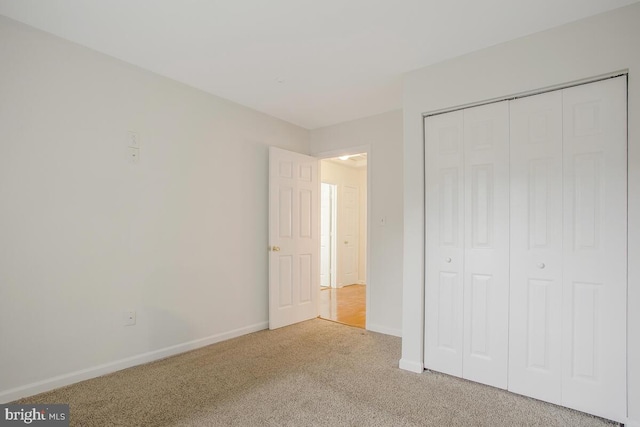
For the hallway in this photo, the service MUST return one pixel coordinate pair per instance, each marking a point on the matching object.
(344, 305)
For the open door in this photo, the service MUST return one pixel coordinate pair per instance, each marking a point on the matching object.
(294, 237)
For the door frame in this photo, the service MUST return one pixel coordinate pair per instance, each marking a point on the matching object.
(333, 238)
(357, 149)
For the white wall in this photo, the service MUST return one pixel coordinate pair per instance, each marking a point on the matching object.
(383, 135)
(341, 176)
(180, 237)
(587, 48)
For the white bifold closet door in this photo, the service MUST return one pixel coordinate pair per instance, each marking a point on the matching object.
(594, 323)
(526, 246)
(568, 248)
(535, 338)
(444, 243)
(467, 250)
(486, 256)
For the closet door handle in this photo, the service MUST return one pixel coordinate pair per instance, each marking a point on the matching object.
(541, 265)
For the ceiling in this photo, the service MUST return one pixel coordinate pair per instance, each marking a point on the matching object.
(310, 62)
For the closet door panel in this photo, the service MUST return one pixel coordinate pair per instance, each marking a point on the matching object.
(444, 242)
(535, 346)
(595, 239)
(486, 268)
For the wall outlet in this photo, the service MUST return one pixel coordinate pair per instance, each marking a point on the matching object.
(128, 318)
(134, 155)
(133, 139)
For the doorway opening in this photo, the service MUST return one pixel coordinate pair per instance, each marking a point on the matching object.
(343, 245)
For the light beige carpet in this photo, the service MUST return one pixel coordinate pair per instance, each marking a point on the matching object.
(314, 373)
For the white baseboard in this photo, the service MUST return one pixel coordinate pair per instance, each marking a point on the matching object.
(409, 365)
(117, 365)
(385, 330)
(632, 423)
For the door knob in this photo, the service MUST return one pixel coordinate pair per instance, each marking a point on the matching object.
(276, 249)
(447, 259)
(541, 265)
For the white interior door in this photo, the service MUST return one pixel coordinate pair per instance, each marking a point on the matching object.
(444, 242)
(595, 248)
(349, 234)
(486, 258)
(535, 339)
(294, 237)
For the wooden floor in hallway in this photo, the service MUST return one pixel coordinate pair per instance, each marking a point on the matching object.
(344, 305)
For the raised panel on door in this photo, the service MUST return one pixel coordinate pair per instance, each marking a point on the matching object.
(595, 242)
(486, 231)
(535, 347)
(283, 273)
(444, 242)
